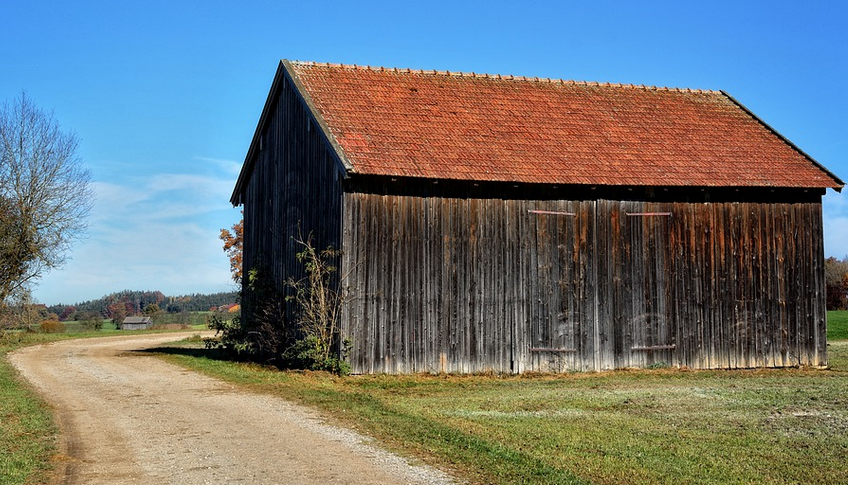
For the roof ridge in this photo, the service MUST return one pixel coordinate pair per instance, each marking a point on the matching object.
(508, 77)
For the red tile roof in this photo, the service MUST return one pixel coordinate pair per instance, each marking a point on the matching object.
(494, 128)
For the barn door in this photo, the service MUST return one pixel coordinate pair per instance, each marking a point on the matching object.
(599, 286)
(560, 301)
(648, 333)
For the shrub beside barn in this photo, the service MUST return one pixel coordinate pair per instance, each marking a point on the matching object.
(495, 223)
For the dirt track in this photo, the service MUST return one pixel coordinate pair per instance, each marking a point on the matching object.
(127, 417)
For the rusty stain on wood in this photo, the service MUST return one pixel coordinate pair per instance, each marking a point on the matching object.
(554, 213)
(552, 350)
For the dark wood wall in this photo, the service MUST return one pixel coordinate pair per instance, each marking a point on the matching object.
(445, 284)
(294, 191)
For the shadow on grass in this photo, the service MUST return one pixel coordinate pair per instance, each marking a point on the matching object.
(194, 352)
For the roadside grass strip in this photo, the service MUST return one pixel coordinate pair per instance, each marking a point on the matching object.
(27, 431)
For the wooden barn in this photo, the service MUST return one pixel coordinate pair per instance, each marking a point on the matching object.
(510, 224)
(137, 323)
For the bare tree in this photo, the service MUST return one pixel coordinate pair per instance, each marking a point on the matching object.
(21, 312)
(45, 195)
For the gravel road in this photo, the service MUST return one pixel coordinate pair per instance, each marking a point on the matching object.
(127, 417)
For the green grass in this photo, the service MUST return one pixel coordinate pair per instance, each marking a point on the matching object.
(645, 427)
(27, 431)
(837, 325)
(195, 322)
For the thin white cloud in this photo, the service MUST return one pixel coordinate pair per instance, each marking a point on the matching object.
(157, 232)
(160, 196)
(112, 199)
(231, 167)
(202, 184)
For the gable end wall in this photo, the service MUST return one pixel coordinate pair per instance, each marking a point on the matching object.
(294, 191)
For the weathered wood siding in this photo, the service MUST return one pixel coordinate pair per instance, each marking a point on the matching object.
(473, 285)
(295, 191)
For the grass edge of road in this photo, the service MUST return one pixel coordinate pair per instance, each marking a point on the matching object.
(28, 430)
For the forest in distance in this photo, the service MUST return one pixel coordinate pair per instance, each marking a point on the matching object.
(130, 302)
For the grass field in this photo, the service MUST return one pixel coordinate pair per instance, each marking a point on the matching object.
(193, 319)
(837, 325)
(662, 426)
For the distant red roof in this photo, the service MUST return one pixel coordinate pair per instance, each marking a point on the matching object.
(493, 128)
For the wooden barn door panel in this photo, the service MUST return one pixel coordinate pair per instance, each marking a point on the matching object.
(653, 332)
(600, 281)
(560, 287)
(636, 276)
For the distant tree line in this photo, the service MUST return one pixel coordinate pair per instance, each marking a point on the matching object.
(128, 303)
(836, 280)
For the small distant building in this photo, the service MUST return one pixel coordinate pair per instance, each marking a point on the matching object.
(137, 323)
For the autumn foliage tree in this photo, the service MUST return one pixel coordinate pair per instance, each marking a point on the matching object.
(233, 247)
(836, 280)
(117, 312)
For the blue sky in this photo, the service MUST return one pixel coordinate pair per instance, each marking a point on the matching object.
(165, 95)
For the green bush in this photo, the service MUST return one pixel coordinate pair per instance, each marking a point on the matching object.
(309, 354)
(311, 340)
(92, 324)
(229, 336)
